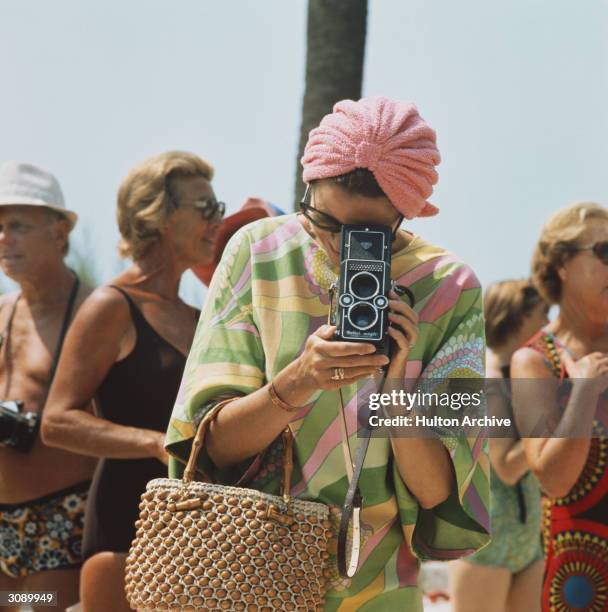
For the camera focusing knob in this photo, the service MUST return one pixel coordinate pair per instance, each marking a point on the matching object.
(381, 302)
(346, 300)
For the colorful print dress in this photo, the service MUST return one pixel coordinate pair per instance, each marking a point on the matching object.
(268, 295)
(575, 527)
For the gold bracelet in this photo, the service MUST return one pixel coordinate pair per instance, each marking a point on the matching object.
(278, 402)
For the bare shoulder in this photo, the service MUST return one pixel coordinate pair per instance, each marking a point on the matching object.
(527, 362)
(104, 308)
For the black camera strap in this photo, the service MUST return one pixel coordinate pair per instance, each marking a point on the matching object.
(69, 309)
(353, 501)
(9, 321)
(67, 317)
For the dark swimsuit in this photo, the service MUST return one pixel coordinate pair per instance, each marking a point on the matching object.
(138, 391)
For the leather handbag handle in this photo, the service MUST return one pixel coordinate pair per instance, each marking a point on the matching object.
(199, 442)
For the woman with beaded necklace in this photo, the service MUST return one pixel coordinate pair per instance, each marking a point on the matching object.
(570, 269)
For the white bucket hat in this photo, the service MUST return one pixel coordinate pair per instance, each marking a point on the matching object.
(29, 185)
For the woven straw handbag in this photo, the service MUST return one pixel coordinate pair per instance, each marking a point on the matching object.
(203, 546)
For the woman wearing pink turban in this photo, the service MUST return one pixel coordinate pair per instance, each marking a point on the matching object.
(262, 339)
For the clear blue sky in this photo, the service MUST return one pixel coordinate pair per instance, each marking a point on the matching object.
(517, 92)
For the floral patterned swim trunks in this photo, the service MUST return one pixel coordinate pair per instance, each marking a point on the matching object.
(44, 533)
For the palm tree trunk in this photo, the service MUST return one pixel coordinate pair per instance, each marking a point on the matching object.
(335, 48)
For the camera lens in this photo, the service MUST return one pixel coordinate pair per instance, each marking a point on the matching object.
(362, 316)
(364, 285)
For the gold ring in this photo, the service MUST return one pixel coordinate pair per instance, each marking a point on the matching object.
(338, 374)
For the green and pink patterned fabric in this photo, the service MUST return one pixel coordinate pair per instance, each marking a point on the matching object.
(268, 295)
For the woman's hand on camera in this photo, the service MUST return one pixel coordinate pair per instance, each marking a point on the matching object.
(329, 364)
(403, 330)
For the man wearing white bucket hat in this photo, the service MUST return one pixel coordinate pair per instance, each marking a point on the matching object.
(42, 490)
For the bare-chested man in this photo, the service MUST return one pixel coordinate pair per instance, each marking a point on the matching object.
(42, 490)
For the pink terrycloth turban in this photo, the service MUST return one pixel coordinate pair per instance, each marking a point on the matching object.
(386, 136)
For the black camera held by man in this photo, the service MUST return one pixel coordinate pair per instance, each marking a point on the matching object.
(18, 429)
(365, 280)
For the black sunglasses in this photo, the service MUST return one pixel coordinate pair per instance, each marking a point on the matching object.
(324, 221)
(599, 249)
(210, 208)
(319, 219)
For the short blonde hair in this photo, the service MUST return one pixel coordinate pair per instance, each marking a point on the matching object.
(505, 305)
(557, 243)
(144, 202)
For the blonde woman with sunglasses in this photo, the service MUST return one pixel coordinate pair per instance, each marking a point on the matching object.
(127, 349)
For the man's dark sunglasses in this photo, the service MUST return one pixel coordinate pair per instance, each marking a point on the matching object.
(599, 249)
